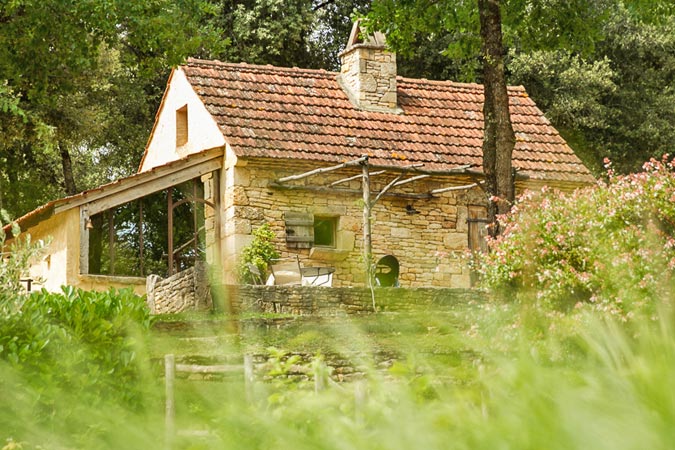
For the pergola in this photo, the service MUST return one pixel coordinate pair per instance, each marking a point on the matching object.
(404, 174)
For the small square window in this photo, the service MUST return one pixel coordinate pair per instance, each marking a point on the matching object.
(324, 231)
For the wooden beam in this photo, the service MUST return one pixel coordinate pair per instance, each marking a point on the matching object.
(411, 179)
(415, 168)
(455, 188)
(386, 188)
(345, 191)
(355, 162)
(152, 185)
(367, 242)
(355, 177)
(84, 241)
(169, 208)
(144, 178)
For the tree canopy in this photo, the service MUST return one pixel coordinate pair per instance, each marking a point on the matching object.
(79, 83)
(80, 80)
(601, 70)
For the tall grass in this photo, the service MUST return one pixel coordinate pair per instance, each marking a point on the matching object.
(533, 380)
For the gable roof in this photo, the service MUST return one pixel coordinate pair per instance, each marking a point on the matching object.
(291, 113)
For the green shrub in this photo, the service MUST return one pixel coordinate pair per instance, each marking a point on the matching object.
(258, 253)
(15, 259)
(76, 340)
(611, 246)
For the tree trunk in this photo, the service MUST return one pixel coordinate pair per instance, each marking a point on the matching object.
(67, 165)
(498, 138)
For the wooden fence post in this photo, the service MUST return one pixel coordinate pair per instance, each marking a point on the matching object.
(360, 399)
(319, 376)
(248, 377)
(170, 414)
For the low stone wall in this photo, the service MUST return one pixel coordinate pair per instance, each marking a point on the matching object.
(185, 291)
(326, 301)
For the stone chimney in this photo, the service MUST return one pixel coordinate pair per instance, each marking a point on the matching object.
(368, 73)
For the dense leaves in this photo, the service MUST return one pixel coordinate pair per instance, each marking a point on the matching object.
(75, 341)
(258, 253)
(608, 247)
(81, 81)
(16, 255)
(602, 71)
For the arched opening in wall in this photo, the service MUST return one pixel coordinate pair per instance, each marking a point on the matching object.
(387, 271)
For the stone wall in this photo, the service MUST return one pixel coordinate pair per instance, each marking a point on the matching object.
(185, 291)
(321, 301)
(429, 244)
(368, 75)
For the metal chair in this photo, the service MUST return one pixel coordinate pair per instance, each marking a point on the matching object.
(256, 276)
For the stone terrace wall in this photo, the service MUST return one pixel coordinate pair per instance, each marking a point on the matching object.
(185, 291)
(323, 301)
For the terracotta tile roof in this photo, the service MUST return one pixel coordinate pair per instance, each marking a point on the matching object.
(266, 111)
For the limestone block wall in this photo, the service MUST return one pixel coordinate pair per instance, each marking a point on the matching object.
(429, 244)
(320, 301)
(185, 291)
(368, 74)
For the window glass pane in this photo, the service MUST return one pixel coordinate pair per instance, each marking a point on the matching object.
(324, 231)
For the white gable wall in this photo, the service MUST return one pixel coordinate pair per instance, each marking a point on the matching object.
(203, 133)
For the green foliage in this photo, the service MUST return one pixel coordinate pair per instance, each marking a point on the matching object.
(75, 343)
(601, 71)
(83, 79)
(609, 245)
(15, 259)
(259, 252)
(553, 381)
(572, 90)
(287, 33)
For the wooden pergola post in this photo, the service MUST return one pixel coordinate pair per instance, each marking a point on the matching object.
(367, 238)
(169, 199)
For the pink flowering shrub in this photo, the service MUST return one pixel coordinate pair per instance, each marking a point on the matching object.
(610, 247)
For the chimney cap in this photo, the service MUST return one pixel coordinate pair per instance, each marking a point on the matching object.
(357, 38)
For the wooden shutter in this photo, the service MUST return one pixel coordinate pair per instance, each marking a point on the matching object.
(477, 220)
(299, 229)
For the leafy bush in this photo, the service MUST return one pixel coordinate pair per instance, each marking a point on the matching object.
(14, 258)
(258, 253)
(83, 342)
(612, 244)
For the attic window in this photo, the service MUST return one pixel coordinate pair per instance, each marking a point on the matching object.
(181, 126)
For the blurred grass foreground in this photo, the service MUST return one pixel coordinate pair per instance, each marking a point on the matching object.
(84, 370)
(574, 349)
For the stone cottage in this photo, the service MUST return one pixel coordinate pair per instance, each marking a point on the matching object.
(305, 151)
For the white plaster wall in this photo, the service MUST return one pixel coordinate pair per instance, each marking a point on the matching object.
(203, 132)
(59, 264)
(60, 260)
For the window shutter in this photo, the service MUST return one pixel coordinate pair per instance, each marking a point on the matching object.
(477, 220)
(299, 229)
